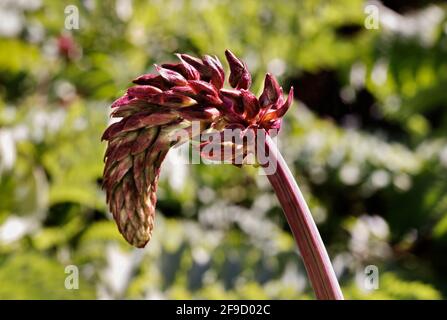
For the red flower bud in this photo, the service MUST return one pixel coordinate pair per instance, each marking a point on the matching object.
(240, 78)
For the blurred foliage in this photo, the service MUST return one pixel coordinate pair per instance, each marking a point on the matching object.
(366, 138)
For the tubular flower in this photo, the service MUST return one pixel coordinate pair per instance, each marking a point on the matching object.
(158, 107)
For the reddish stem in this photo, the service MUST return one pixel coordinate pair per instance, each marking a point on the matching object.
(307, 237)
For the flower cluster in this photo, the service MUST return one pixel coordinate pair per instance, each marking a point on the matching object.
(156, 108)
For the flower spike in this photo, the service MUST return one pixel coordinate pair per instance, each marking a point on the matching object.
(155, 111)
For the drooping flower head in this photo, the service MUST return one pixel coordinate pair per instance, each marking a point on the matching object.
(156, 108)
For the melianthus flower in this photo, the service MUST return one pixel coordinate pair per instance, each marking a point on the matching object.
(158, 106)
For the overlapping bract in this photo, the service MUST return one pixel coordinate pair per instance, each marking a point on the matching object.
(161, 104)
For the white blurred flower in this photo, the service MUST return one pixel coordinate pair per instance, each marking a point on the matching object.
(29, 5)
(124, 9)
(379, 72)
(44, 121)
(200, 255)
(206, 195)
(443, 156)
(421, 24)
(36, 32)
(380, 179)
(7, 150)
(293, 278)
(11, 22)
(402, 182)
(175, 167)
(357, 75)
(349, 174)
(341, 262)
(119, 270)
(369, 236)
(15, 228)
(277, 67)
(65, 90)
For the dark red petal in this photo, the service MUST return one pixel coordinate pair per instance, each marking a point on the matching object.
(231, 93)
(172, 66)
(283, 109)
(138, 121)
(275, 114)
(194, 113)
(143, 91)
(175, 100)
(121, 101)
(209, 99)
(240, 78)
(172, 77)
(123, 149)
(118, 172)
(218, 65)
(171, 99)
(272, 91)
(184, 90)
(200, 86)
(112, 130)
(232, 99)
(145, 138)
(217, 74)
(151, 79)
(191, 72)
(185, 69)
(138, 170)
(245, 81)
(124, 111)
(250, 104)
(205, 92)
(196, 63)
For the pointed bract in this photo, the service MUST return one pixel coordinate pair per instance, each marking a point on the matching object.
(240, 78)
(172, 77)
(271, 92)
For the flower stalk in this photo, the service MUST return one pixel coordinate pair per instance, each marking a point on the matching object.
(305, 232)
(159, 111)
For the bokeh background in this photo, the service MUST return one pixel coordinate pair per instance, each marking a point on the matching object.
(365, 138)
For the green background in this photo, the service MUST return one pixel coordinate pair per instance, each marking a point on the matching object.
(365, 138)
